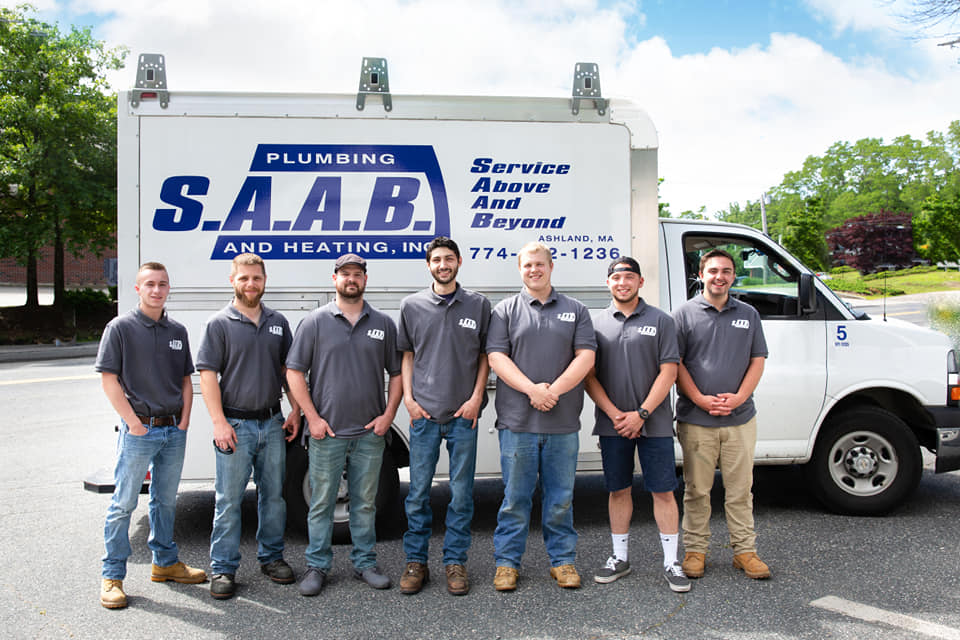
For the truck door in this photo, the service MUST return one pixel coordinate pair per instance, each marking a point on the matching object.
(791, 393)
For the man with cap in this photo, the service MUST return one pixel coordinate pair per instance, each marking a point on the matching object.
(145, 365)
(635, 368)
(541, 345)
(722, 353)
(442, 334)
(245, 345)
(345, 346)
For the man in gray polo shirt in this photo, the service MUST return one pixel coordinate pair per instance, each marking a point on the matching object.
(722, 353)
(145, 365)
(636, 367)
(541, 345)
(345, 346)
(443, 332)
(245, 344)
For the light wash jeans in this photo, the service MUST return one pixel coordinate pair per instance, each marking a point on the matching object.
(160, 451)
(260, 448)
(362, 458)
(529, 460)
(425, 439)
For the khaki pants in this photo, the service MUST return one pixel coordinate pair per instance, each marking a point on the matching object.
(703, 449)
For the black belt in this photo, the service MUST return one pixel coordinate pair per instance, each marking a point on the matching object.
(262, 414)
(158, 421)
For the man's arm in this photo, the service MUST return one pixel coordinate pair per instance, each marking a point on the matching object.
(292, 423)
(223, 434)
(319, 428)
(118, 400)
(599, 396)
(381, 424)
(714, 405)
(630, 424)
(406, 374)
(541, 396)
(187, 391)
(747, 386)
(576, 371)
(471, 408)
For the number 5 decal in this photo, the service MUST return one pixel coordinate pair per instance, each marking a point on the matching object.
(841, 332)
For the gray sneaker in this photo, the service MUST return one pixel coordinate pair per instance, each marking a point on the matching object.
(676, 578)
(614, 569)
(373, 577)
(312, 581)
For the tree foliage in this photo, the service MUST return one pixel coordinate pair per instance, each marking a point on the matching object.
(938, 224)
(873, 242)
(803, 234)
(57, 143)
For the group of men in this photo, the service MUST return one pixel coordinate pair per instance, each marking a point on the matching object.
(545, 350)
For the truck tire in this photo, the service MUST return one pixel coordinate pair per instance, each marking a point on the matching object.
(296, 493)
(866, 462)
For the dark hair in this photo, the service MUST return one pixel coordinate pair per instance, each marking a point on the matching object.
(442, 241)
(716, 253)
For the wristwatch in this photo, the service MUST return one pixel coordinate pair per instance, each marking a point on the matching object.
(644, 414)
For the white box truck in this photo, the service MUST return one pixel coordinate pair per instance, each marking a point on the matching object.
(303, 178)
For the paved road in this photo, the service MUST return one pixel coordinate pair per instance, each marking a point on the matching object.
(57, 427)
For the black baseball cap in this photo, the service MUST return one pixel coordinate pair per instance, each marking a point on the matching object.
(350, 258)
(625, 263)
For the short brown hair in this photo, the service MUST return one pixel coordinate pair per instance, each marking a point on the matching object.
(247, 259)
(716, 253)
(535, 247)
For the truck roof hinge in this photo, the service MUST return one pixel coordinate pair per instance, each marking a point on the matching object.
(374, 80)
(586, 86)
(151, 80)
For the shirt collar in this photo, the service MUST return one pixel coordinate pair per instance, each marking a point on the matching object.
(147, 321)
(640, 308)
(529, 299)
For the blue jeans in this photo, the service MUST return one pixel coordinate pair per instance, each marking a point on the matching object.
(362, 458)
(425, 438)
(260, 448)
(161, 451)
(529, 460)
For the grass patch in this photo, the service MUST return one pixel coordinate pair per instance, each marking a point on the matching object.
(898, 283)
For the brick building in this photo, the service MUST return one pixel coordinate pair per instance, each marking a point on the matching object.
(85, 271)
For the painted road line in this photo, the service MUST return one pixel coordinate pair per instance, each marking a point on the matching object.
(873, 614)
(87, 376)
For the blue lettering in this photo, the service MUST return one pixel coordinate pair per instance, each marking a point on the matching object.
(323, 204)
(174, 192)
(256, 192)
(481, 165)
(391, 206)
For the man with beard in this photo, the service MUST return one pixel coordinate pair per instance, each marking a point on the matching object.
(443, 331)
(245, 344)
(345, 346)
(636, 367)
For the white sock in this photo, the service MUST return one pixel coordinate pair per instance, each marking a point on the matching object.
(621, 545)
(669, 544)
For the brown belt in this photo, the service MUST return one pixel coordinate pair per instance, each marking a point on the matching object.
(158, 421)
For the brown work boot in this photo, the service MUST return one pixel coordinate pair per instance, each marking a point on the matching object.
(752, 565)
(457, 582)
(178, 572)
(566, 576)
(414, 577)
(111, 594)
(694, 563)
(506, 579)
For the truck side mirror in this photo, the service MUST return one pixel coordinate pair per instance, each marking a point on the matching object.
(807, 300)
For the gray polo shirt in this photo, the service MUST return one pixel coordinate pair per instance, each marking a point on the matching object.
(447, 339)
(630, 350)
(541, 340)
(716, 348)
(346, 364)
(249, 358)
(150, 358)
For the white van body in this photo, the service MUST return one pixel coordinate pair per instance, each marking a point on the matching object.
(301, 179)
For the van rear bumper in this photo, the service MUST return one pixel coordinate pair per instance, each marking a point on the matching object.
(947, 422)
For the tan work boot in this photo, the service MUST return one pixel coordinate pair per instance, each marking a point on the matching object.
(566, 576)
(694, 564)
(178, 572)
(111, 594)
(506, 579)
(414, 577)
(752, 565)
(457, 582)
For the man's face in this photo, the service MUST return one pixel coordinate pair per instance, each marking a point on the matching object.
(153, 287)
(350, 281)
(535, 270)
(624, 285)
(717, 276)
(444, 265)
(248, 284)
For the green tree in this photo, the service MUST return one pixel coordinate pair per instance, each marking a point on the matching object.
(936, 229)
(57, 143)
(803, 234)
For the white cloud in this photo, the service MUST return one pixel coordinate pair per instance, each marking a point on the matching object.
(859, 15)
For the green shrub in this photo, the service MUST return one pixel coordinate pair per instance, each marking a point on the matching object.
(84, 300)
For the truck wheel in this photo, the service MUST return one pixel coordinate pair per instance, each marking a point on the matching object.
(297, 493)
(866, 462)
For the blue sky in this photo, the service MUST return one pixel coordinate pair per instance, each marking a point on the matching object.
(740, 92)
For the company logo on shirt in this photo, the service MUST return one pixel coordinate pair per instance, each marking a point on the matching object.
(648, 330)
(467, 323)
(276, 329)
(176, 345)
(567, 317)
(741, 324)
(376, 334)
